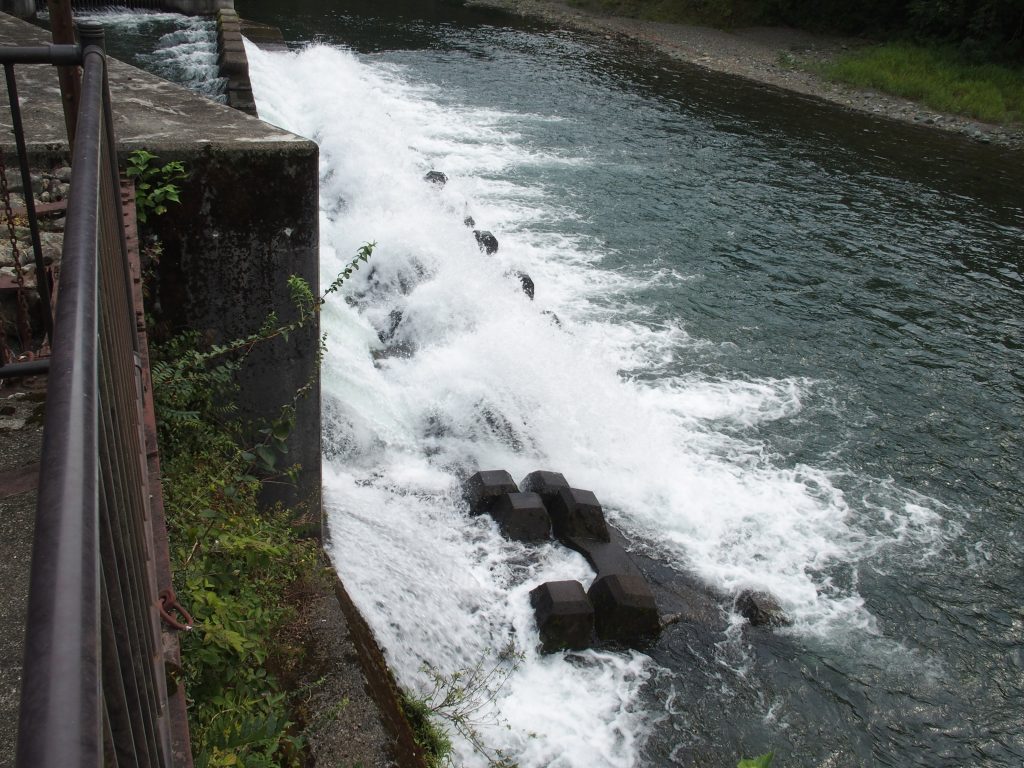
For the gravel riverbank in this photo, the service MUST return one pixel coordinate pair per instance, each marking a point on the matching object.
(768, 55)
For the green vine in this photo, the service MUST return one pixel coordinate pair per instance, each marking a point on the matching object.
(154, 184)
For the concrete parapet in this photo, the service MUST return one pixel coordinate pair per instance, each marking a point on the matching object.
(247, 221)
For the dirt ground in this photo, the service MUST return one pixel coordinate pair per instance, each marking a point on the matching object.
(770, 55)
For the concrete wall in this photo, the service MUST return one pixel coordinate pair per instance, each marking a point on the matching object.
(248, 220)
(23, 9)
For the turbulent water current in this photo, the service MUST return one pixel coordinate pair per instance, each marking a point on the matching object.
(780, 342)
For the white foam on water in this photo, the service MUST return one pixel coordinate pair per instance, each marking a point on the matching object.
(476, 376)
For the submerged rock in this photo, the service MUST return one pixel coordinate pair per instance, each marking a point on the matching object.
(436, 177)
(527, 283)
(761, 609)
(488, 243)
(469, 221)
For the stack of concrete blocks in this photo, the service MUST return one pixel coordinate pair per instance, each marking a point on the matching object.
(233, 63)
(619, 607)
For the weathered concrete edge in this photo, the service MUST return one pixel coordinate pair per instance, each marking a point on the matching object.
(232, 62)
(380, 682)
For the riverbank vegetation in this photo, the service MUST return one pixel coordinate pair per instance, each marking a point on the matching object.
(964, 57)
(989, 30)
(938, 77)
(243, 571)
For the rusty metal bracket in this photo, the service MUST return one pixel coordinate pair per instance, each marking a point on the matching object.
(169, 602)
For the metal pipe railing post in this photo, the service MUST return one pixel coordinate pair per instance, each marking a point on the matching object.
(61, 721)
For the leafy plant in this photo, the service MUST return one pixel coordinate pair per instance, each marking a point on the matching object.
(429, 737)
(154, 184)
(464, 699)
(235, 566)
(761, 761)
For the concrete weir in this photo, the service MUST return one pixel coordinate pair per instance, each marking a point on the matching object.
(247, 221)
(25, 9)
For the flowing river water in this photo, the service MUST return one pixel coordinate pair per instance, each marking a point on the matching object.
(781, 342)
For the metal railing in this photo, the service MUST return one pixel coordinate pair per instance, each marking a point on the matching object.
(94, 686)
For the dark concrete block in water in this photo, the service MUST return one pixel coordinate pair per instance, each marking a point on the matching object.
(436, 177)
(522, 517)
(546, 483)
(761, 609)
(577, 514)
(565, 617)
(488, 243)
(483, 489)
(605, 557)
(624, 608)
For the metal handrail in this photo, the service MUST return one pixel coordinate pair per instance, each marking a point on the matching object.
(93, 680)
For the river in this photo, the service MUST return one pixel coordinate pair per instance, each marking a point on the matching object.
(781, 342)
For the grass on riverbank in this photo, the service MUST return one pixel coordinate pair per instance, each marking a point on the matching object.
(938, 77)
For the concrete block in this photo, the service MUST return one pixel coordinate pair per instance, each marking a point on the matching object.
(624, 608)
(577, 514)
(546, 483)
(606, 558)
(522, 517)
(482, 489)
(565, 617)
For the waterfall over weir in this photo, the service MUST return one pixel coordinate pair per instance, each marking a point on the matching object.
(785, 359)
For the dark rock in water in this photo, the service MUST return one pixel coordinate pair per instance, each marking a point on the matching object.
(483, 489)
(499, 426)
(577, 514)
(565, 616)
(546, 483)
(553, 316)
(394, 320)
(522, 517)
(624, 608)
(469, 221)
(606, 558)
(761, 609)
(527, 283)
(436, 177)
(488, 243)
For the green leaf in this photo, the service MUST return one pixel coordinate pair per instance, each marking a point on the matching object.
(761, 761)
(266, 455)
